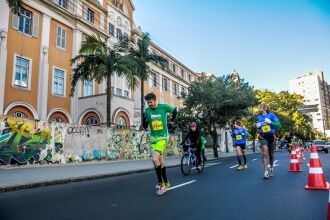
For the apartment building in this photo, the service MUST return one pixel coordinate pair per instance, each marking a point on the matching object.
(313, 87)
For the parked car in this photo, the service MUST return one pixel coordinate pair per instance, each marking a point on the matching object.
(321, 145)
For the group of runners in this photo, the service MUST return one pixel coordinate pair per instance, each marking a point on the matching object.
(155, 117)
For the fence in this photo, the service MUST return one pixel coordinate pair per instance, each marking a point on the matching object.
(24, 140)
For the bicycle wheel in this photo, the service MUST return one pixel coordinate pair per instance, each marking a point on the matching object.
(186, 164)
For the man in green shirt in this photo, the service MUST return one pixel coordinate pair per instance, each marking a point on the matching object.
(155, 116)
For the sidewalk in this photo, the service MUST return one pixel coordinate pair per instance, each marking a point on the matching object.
(30, 176)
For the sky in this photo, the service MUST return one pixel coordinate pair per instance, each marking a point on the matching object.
(268, 42)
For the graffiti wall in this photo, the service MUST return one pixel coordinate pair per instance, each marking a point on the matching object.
(23, 141)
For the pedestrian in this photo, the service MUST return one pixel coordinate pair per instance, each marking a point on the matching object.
(194, 135)
(155, 116)
(203, 141)
(240, 134)
(267, 122)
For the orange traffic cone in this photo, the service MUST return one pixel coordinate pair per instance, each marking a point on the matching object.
(299, 156)
(294, 164)
(316, 178)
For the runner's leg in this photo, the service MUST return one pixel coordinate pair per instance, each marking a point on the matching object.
(238, 154)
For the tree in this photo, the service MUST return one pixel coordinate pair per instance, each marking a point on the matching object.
(142, 52)
(14, 5)
(215, 102)
(97, 61)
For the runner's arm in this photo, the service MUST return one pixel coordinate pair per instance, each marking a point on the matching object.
(276, 124)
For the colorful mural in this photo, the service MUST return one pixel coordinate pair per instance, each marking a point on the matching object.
(24, 141)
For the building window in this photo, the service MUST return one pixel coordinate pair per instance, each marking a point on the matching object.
(19, 114)
(88, 87)
(183, 90)
(119, 91)
(57, 120)
(176, 89)
(62, 3)
(111, 29)
(119, 34)
(126, 93)
(165, 84)
(91, 121)
(58, 82)
(154, 79)
(125, 36)
(25, 21)
(189, 77)
(121, 121)
(174, 68)
(22, 70)
(90, 15)
(182, 73)
(60, 37)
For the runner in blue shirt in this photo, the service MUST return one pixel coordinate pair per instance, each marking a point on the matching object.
(267, 123)
(240, 134)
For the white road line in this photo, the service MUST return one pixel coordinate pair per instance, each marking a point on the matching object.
(254, 159)
(233, 166)
(183, 184)
(208, 165)
(304, 158)
(308, 164)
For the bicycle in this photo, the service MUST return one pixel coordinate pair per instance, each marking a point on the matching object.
(189, 160)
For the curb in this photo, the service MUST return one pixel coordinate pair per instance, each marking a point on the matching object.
(82, 178)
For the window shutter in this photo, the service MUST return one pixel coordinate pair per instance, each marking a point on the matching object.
(35, 25)
(85, 9)
(15, 22)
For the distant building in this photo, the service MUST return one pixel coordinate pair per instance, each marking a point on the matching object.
(315, 90)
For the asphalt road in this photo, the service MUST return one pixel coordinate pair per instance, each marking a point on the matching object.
(221, 192)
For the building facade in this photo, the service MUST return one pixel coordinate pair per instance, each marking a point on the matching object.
(167, 84)
(36, 49)
(313, 87)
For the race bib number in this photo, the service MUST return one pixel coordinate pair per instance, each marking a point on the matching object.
(265, 128)
(238, 137)
(157, 125)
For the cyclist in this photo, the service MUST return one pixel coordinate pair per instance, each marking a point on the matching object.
(267, 123)
(155, 117)
(240, 134)
(194, 136)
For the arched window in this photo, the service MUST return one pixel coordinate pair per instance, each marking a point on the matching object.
(121, 121)
(92, 121)
(19, 114)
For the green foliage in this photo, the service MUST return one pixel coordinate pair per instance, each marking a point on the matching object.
(14, 5)
(98, 61)
(213, 102)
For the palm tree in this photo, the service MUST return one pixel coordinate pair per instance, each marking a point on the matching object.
(97, 61)
(14, 5)
(142, 52)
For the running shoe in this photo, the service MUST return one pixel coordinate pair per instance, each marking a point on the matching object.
(159, 190)
(240, 167)
(266, 175)
(165, 186)
(245, 166)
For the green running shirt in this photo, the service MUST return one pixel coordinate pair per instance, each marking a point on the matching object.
(157, 120)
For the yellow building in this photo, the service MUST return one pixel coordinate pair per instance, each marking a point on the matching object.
(35, 70)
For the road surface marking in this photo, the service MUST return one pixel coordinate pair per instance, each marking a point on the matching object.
(304, 158)
(254, 159)
(208, 165)
(183, 184)
(233, 166)
(308, 164)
